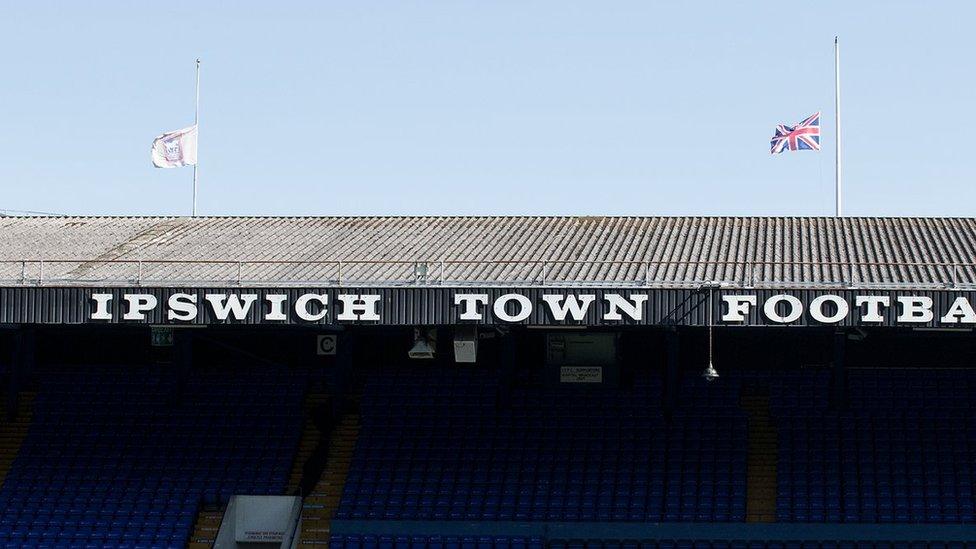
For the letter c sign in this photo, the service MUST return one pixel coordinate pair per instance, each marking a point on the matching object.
(326, 345)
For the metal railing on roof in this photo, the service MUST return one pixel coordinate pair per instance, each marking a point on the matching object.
(515, 272)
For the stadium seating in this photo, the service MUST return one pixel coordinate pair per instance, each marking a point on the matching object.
(355, 541)
(751, 544)
(123, 457)
(902, 451)
(453, 444)
(460, 445)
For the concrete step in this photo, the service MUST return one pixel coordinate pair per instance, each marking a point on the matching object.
(206, 527)
(762, 456)
(321, 505)
(310, 439)
(14, 431)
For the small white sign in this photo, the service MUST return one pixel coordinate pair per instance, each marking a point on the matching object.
(327, 345)
(466, 352)
(581, 374)
(262, 519)
(162, 336)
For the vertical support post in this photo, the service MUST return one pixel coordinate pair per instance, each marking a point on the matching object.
(344, 365)
(507, 365)
(838, 376)
(839, 211)
(672, 367)
(196, 123)
(22, 360)
(182, 356)
(13, 359)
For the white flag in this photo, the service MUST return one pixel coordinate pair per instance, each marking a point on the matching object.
(175, 149)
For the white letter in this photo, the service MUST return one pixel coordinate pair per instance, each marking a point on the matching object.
(962, 309)
(915, 309)
(182, 307)
(470, 302)
(365, 310)
(234, 304)
(101, 311)
(301, 307)
(277, 302)
(738, 307)
(573, 304)
(796, 308)
(632, 307)
(139, 305)
(874, 303)
(816, 309)
(525, 308)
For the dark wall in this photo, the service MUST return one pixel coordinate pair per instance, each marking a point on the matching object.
(639, 348)
(912, 348)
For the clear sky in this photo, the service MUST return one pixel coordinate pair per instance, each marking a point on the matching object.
(475, 107)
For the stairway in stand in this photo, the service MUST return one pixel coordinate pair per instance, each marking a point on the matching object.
(13, 432)
(310, 439)
(206, 527)
(209, 518)
(320, 506)
(762, 457)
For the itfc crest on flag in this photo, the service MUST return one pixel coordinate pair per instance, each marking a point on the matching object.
(803, 136)
(175, 149)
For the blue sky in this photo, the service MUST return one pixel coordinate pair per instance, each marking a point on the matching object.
(472, 107)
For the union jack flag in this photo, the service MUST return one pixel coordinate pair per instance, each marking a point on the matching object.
(803, 136)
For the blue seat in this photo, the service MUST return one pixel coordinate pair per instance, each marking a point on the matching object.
(110, 462)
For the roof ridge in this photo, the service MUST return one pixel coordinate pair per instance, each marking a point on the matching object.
(480, 216)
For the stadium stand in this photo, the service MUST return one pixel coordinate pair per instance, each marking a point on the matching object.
(441, 456)
(496, 454)
(902, 451)
(125, 457)
(436, 446)
(443, 446)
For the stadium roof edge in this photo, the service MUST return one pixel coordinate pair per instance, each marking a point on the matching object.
(659, 250)
(485, 216)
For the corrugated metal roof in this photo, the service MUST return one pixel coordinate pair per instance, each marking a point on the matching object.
(658, 251)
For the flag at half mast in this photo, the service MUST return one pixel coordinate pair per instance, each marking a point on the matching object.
(175, 149)
(803, 136)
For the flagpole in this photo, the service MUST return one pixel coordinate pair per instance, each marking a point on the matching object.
(837, 171)
(196, 122)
